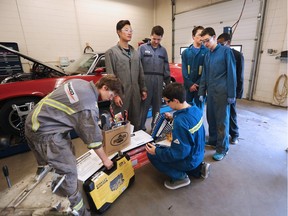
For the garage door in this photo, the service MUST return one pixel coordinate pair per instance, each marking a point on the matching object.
(218, 16)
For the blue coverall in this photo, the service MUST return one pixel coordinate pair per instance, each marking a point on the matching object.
(192, 66)
(187, 147)
(219, 80)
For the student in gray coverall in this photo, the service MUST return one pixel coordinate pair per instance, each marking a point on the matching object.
(124, 61)
(72, 106)
(154, 60)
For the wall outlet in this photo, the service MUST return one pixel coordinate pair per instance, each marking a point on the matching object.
(270, 51)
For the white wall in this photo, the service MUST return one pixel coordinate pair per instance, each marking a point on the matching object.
(163, 17)
(49, 29)
(274, 37)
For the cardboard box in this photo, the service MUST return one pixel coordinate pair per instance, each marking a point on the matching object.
(116, 139)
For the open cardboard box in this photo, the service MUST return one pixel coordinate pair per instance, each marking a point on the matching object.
(116, 139)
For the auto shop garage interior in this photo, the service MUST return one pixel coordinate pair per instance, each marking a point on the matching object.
(251, 180)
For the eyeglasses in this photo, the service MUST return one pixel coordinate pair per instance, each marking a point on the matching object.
(168, 101)
(127, 30)
(206, 40)
(223, 44)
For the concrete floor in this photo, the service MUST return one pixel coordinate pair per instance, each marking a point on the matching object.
(250, 181)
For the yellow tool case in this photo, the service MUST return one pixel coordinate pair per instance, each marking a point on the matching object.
(104, 186)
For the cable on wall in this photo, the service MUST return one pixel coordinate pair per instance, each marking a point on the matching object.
(237, 22)
(280, 89)
(77, 23)
(23, 32)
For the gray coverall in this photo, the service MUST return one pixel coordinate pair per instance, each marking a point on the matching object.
(156, 70)
(128, 69)
(72, 106)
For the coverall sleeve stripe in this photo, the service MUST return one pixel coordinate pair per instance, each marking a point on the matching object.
(197, 126)
(94, 145)
(79, 205)
(35, 122)
(52, 103)
(59, 106)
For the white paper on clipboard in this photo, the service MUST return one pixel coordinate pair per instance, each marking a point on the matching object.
(88, 164)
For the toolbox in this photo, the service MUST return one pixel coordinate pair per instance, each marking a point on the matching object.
(105, 186)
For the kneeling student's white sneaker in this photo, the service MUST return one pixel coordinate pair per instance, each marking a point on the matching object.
(175, 184)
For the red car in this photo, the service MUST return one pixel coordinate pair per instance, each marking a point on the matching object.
(22, 89)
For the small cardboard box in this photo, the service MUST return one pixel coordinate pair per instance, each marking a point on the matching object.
(116, 139)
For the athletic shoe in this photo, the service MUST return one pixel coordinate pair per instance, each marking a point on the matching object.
(234, 140)
(175, 184)
(205, 170)
(219, 156)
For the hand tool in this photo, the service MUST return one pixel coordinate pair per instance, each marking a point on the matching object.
(125, 115)
(28, 189)
(6, 174)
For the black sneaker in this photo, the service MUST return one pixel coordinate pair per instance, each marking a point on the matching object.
(205, 170)
(175, 184)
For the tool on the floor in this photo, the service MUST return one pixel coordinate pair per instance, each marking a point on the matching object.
(28, 189)
(59, 183)
(6, 174)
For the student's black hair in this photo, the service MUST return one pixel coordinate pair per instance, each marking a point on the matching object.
(158, 30)
(175, 91)
(209, 30)
(121, 24)
(225, 36)
(194, 31)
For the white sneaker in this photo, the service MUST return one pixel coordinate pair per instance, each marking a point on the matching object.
(175, 184)
(205, 170)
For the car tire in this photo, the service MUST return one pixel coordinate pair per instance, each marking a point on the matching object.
(9, 118)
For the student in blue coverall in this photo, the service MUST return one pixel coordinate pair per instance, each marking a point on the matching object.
(155, 64)
(186, 154)
(192, 66)
(219, 81)
(225, 40)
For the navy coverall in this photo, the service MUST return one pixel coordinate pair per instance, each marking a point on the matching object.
(156, 70)
(234, 129)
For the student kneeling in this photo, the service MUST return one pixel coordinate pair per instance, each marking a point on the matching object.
(186, 154)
